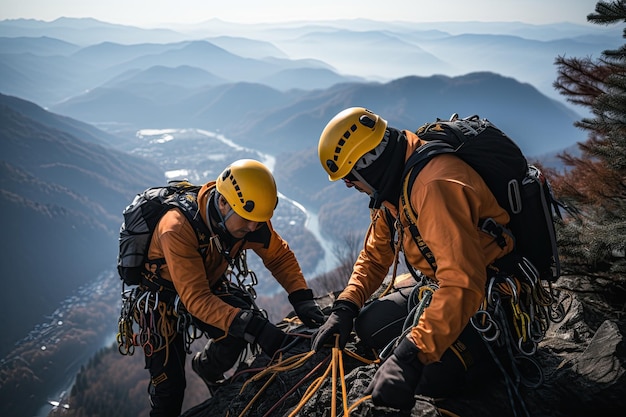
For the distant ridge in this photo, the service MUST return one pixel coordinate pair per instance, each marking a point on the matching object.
(372, 50)
(62, 188)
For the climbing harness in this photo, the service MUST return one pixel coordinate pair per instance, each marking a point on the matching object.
(152, 313)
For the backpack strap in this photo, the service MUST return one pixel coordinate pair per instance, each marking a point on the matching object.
(423, 154)
(185, 200)
(413, 167)
(412, 218)
(189, 207)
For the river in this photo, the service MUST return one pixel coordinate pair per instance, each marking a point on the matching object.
(329, 261)
(188, 164)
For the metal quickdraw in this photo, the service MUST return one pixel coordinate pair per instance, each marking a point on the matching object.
(240, 272)
(125, 338)
(514, 318)
(184, 323)
(148, 321)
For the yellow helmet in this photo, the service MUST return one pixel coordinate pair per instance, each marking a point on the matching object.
(250, 189)
(347, 137)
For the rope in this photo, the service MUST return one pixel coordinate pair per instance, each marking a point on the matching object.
(282, 365)
(445, 412)
(360, 358)
(310, 391)
(288, 364)
(337, 372)
(335, 369)
(296, 386)
(258, 394)
(528, 302)
(424, 295)
(522, 325)
(357, 403)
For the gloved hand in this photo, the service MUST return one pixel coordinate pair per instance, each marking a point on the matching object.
(306, 308)
(340, 321)
(394, 383)
(256, 329)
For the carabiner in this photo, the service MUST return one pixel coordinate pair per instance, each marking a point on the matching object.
(513, 287)
(520, 347)
(127, 350)
(148, 350)
(487, 318)
(483, 330)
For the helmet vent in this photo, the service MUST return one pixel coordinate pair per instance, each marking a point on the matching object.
(367, 121)
(249, 206)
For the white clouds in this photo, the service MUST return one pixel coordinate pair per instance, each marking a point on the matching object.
(156, 12)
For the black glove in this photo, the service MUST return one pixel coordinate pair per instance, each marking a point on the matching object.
(306, 308)
(256, 329)
(394, 383)
(340, 321)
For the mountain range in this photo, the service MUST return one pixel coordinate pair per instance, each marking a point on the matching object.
(72, 106)
(47, 62)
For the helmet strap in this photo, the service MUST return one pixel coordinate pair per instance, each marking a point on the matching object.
(375, 197)
(219, 239)
(222, 219)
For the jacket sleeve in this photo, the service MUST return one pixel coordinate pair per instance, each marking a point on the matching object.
(175, 240)
(372, 265)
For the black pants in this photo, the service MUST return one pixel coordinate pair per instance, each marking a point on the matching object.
(167, 378)
(467, 361)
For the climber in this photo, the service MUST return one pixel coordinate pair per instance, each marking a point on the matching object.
(236, 208)
(442, 351)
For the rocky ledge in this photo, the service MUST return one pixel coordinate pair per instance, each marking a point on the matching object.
(582, 359)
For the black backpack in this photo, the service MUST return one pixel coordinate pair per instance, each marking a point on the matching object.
(141, 217)
(519, 188)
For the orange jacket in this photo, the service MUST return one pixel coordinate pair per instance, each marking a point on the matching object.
(450, 198)
(176, 242)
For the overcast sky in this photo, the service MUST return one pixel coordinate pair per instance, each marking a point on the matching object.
(149, 13)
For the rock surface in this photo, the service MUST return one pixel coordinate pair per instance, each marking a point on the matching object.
(582, 359)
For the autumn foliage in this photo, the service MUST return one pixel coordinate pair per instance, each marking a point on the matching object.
(595, 184)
